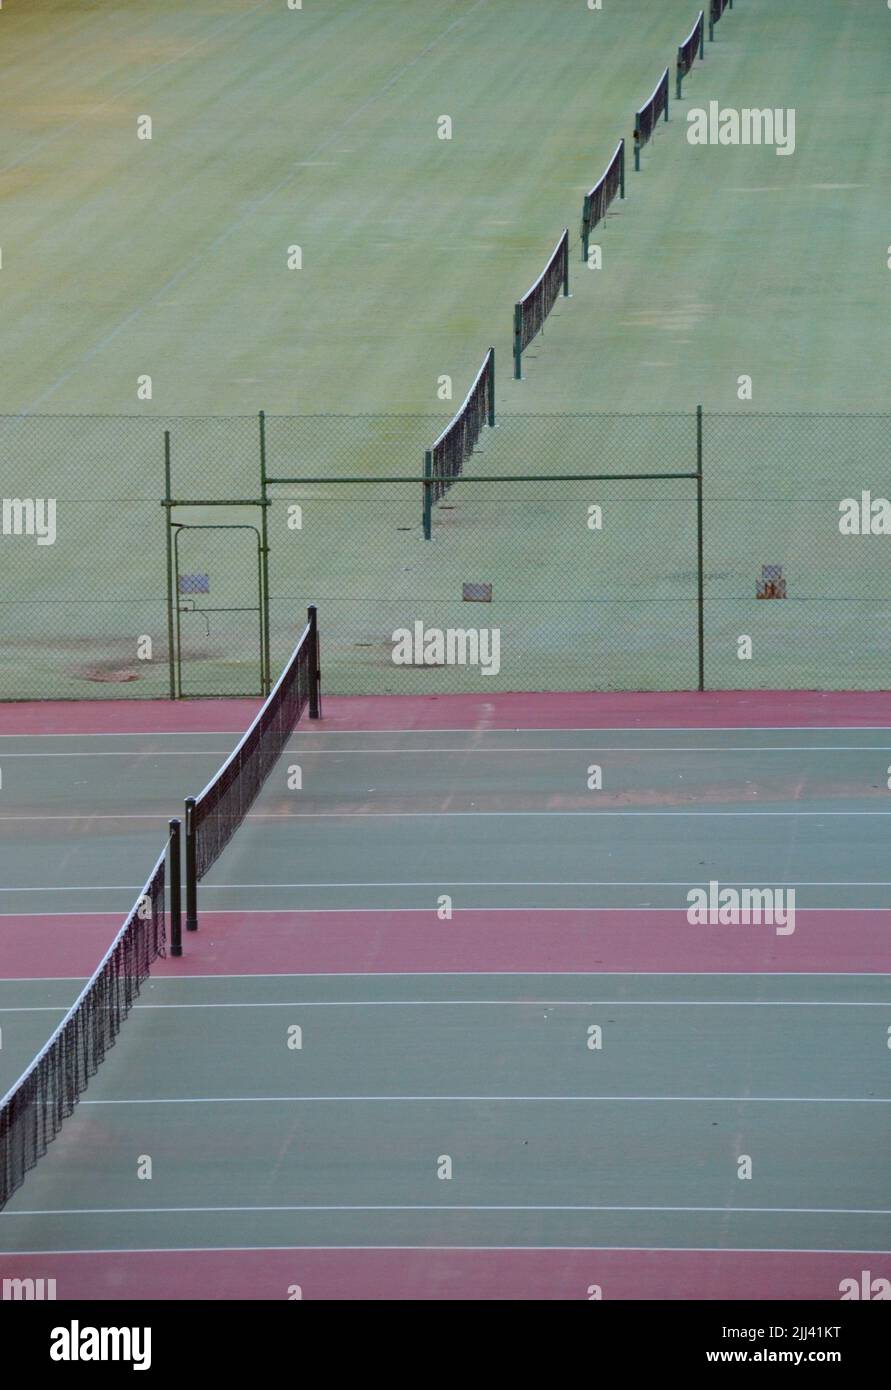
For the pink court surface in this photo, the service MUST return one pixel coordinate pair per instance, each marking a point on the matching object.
(803, 805)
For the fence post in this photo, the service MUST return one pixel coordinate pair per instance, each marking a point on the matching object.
(700, 559)
(264, 563)
(175, 871)
(168, 496)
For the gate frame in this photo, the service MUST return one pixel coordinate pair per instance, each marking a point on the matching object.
(177, 528)
(171, 526)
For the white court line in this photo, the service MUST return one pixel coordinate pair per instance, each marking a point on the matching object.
(142, 752)
(490, 1003)
(575, 1099)
(471, 883)
(352, 1249)
(426, 908)
(494, 974)
(448, 815)
(541, 1003)
(305, 751)
(478, 731)
(145, 733)
(177, 1211)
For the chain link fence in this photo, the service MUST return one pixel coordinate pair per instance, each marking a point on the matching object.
(540, 572)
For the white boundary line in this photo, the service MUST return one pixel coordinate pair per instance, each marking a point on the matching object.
(307, 751)
(490, 1099)
(480, 883)
(491, 1003)
(394, 911)
(495, 974)
(353, 1249)
(452, 815)
(440, 1207)
(476, 731)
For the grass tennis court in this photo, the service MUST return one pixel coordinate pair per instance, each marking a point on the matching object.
(719, 263)
(447, 1028)
(267, 133)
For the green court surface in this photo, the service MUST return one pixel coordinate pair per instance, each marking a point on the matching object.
(385, 816)
(776, 1050)
(338, 1144)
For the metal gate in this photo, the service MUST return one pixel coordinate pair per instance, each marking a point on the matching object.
(219, 644)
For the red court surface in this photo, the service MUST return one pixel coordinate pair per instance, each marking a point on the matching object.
(683, 709)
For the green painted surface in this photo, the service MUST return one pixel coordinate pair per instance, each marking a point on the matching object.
(387, 819)
(695, 1069)
(690, 1071)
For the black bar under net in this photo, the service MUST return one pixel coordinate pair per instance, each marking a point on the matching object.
(213, 817)
(33, 1111)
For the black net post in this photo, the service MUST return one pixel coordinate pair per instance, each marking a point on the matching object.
(315, 689)
(428, 494)
(490, 419)
(191, 868)
(518, 342)
(174, 873)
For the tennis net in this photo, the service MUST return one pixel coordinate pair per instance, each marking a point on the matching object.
(538, 301)
(692, 48)
(33, 1111)
(213, 817)
(717, 8)
(445, 461)
(603, 194)
(647, 118)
